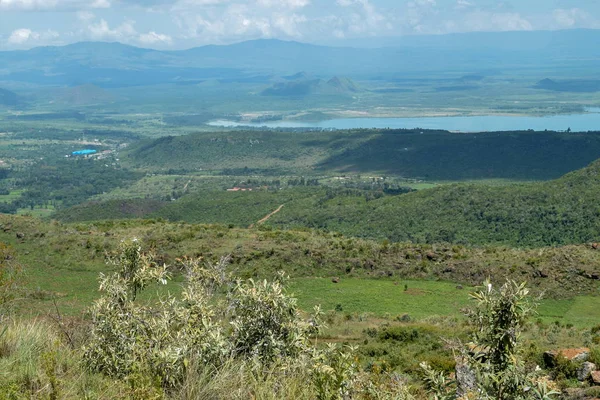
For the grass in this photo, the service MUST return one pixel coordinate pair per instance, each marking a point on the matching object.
(423, 299)
(63, 261)
(381, 297)
(13, 195)
(37, 211)
(580, 311)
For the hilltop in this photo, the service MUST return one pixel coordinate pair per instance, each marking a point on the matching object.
(8, 98)
(571, 85)
(301, 86)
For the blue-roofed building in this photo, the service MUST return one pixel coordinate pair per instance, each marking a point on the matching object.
(83, 152)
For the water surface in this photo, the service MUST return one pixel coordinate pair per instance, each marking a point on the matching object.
(589, 121)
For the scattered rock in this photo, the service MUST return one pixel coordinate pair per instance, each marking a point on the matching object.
(404, 318)
(585, 370)
(540, 274)
(573, 393)
(20, 235)
(580, 354)
(459, 287)
(431, 256)
(448, 270)
(335, 280)
(466, 380)
(595, 375)
(595, 246)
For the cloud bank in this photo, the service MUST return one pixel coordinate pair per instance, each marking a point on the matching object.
(186, 23)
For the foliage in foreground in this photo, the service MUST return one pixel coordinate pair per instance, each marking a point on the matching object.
(217, 323)
(244, 339)
(491, 367)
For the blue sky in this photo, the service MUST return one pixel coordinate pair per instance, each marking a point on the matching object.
(180, 24)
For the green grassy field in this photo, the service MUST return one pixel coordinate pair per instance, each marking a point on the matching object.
(63, 261)
(423, 299)
(380, 298)
(14, 194)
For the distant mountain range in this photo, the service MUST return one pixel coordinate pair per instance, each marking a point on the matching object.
(116, 65)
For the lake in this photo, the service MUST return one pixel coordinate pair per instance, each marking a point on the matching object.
(589, 121)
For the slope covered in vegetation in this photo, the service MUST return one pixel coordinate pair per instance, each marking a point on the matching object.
(435, 155)
(558, 212)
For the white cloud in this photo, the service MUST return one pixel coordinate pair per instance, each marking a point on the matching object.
(125, 33)
(85, 16)
(21, 36)
(426, 3)
(283, 3)
(152, 37)
(44, 5)
(27, 4)
(573, 17)
(102, 31)
(463, 4)
(495, 21)
(27, 36)
(289, 24)
(364, 18)
(241, 21)
(100, 4)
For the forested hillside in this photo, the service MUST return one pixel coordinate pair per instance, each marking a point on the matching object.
(430, 154)
(558, 212)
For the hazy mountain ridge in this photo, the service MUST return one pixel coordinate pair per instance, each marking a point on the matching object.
(115, 64)
(572, 85)
(8, 98)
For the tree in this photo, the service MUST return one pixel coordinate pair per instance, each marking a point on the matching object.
(490, 367)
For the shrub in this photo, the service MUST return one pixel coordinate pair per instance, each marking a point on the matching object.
(265, 322)
(492, 367)
(10, 277)
(399, 334)
(255, 321)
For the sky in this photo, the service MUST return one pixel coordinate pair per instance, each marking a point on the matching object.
(179, 24)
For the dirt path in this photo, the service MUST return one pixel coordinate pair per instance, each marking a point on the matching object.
(186, 185)
(266, 218)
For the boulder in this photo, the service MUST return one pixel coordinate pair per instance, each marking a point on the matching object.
(20, 235)
(466, 380)
(580, 354)
(335, 280)
(585, 370)
(595, 375)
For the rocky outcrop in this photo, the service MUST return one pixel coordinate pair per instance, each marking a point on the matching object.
(585, 371)
(579, 354)
(595, 377)
(466, 380)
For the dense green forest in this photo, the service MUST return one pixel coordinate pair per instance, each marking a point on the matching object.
(558, 212)
(415, 153)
